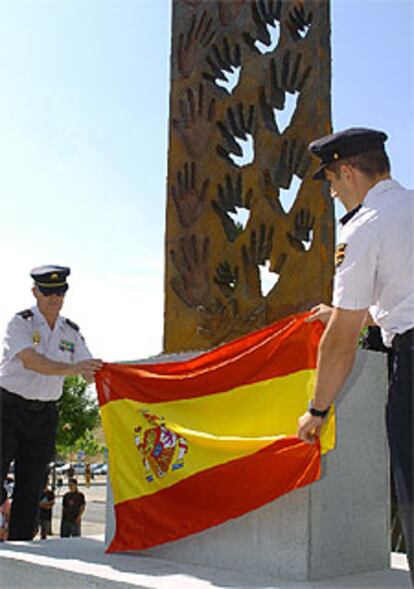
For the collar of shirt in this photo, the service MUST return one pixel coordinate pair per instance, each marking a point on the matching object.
(41, 318)
(379, 188)
(344, 220)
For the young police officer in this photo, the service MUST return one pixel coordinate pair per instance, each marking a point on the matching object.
(374, 283)
(40, 349)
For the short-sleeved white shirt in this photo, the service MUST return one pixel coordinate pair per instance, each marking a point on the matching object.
(63, 344)
(376, 259)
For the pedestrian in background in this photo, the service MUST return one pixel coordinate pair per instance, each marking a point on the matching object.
(88, 475)
(40, 348)
(47, 501)
(73, 506)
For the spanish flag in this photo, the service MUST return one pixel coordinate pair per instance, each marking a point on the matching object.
(195, 443)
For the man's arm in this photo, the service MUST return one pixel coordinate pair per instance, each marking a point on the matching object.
(335, 359)
(32, 360)
(81, 510)
(323, 313)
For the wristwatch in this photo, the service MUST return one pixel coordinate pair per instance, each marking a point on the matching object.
(318, 412)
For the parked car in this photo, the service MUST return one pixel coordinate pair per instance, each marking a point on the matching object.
(95, 467)
(79, 468)
(101, 469)
(63, 469)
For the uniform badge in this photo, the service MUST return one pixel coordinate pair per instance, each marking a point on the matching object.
(36, 338)
(340, 253)
(66, 346)
(161, 449)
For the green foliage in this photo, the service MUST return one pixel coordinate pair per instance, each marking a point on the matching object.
(88, 444)
(78, 416)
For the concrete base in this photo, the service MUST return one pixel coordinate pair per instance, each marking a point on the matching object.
(337, 526)
(80, 563)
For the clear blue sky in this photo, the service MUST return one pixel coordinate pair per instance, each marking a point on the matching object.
(83, 146)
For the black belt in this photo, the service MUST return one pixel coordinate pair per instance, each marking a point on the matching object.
(31, 405)
(402, 339)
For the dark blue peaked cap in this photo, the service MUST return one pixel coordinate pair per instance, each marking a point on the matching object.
(51, 279)
(332, 148)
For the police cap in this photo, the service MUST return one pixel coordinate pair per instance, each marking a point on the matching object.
(51, 279)
(343, 144)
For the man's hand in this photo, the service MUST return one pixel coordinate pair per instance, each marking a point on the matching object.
(309, 428)
(87, 368)
(320, 313)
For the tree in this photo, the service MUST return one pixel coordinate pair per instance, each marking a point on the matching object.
(88, 444)
(78, 415)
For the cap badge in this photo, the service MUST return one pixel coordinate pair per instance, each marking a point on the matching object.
(36, 338)
(336, 156)
(54, 276)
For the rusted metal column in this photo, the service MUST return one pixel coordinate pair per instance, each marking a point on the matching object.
(250, 236)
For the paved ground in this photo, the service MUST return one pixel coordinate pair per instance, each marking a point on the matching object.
(81, 563)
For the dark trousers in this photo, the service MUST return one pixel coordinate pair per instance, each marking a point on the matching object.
(28, 432)
(69, 529)
(400, 429)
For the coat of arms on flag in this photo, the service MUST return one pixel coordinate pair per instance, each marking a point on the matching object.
(160, 448)
(195, 443)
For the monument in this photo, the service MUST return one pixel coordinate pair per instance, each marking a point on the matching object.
(250, 236)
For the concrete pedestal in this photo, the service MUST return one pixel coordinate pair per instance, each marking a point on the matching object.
(337, 526)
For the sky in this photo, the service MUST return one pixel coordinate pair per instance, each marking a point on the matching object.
(84, 88)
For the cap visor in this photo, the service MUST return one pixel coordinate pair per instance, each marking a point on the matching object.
(53, 290)
(320, 173)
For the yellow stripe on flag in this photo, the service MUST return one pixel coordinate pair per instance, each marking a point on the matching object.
(218, 428)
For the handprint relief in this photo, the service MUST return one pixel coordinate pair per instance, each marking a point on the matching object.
(283, 183)
(293, 159)
(302, 235)
(192, 264)
(299, 21)
(227, 279)
(195, 124)
(226, 321)
(237, 133)
(188, 198)
(224, 66)
(266, 15)
(287, 80)
(230, 202)
(256, 254)
(198, 37)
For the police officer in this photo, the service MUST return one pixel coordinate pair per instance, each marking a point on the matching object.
(40, 348)
(374, 284)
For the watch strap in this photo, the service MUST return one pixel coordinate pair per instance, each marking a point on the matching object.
(318, 412)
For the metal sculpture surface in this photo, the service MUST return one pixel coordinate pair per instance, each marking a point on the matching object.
(250, 236)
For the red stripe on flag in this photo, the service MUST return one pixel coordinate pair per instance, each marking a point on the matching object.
(278, 350)
(213, 496)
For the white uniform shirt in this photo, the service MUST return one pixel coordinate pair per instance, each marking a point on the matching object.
(62, 344)
(376, 259)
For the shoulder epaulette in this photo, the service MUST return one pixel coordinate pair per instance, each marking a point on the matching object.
(72, 325)
(27, 314)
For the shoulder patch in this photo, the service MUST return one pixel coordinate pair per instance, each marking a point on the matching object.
(340, 253)
(27, 314)
(72, 325)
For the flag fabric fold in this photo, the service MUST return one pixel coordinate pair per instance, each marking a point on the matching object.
(194, 443)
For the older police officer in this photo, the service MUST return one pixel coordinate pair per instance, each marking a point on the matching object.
(40, 348)
(374, 284)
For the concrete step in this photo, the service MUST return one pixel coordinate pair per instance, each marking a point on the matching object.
(81, 563)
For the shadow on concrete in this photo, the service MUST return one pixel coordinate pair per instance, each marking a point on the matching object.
(86, 557)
